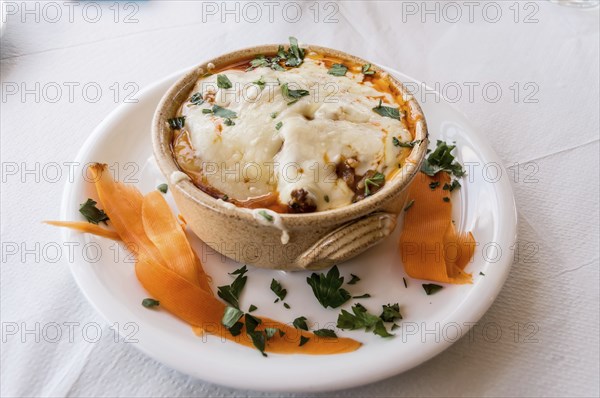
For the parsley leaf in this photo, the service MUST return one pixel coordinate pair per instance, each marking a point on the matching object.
(93, 214)
(354, 279)
(434, 185)
(441, 159)
(409, 205)
(327, 288)
(228, 122)
(176, 123)
(278, 289)
(260, 83)
(197, 99)
(150, 303)
(252, 308)
(230, 316)
(391, 312)
(295, 55)
(270, 332)
(325, 333)
(163, 188)
(366, 295)
(239, 271)
(223, 82)
(338, 70)
(294, 95)
(258, 337)
(303, 340)
(223, 112)
(431, 288)
(278, 125)
(366, 70)
(300, 323)
(361, 319)
(236, 329)
(377, 180)
(266, 215)
(401, 144)
(387, 111)
(231, 293)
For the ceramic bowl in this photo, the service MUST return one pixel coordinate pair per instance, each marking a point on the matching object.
(316, 240)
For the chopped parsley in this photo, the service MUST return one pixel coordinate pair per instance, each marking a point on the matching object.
(431, 288)
(300, 323)
(327, 288)
(239, 271)
(451, 187)
(196, 99)
(446, 199)
(391, 313)
(236, 329)
(293, 58)
(303, 340)
(278, 125)
(274, 115)
(409, 205)
(401, 144)
(387, 111)
(231, 293)
(354, 279)
(293, 95)
(252, 308)
(91, 213)
(361, 319)
(223, 112)
(405, 284)
(481, 273)
(270, 332)
(366, 295)
(338, 70)
(176, 123)
(434, 185)
(266, 215)
(150, 303)
(223, 82)
(279, 291)
(287, 306)
(441, 159)
(366, 70)
(325, 333)
(230, 316)
(377, 180)
(260, 83)
(326, 197)
(228, 122)
(258, 337)
(163, 188)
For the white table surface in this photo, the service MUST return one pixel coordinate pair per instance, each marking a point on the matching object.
(550, 132)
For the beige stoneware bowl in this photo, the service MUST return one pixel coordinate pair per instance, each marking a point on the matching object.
(316, 240)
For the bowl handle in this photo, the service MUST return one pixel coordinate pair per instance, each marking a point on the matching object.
(348, 241)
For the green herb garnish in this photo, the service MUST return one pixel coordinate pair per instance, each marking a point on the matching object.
(481, 273)
(228, 122)
(223, 82)
(325, 333)
(258, 337)
(451, 187)
(366, 295)
(239, 271)
(401, 144)
(163, 188)
(294, 95)
(354, 279)
(236, 329)
(274, 115)
(326, 197)
(441, 159)
(434, 185)
(405, 284)
(431, 288)
(446, 199)
(270, 332)
(338, 70)
(387, 111)
(278, 125)
(366, 70)
(303, 340)
(150, 303)
(252, 308)
(196, 99)
(327, 288)
(176, 123)
(223, 112)
(361, 319)
(266, 215)
(391, 312)
(377, 180)
(295, 55)
(287, 306)
(279, 291)
(260, 83)
(230, 316)
(409, 205)
(300, 323)
(91, 213)
(231, 293)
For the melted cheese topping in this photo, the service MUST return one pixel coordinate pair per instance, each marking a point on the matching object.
(276, 147)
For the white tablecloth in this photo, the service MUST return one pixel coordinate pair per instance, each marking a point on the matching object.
(544, 125)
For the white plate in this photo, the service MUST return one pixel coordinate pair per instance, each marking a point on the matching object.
(430, 324)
